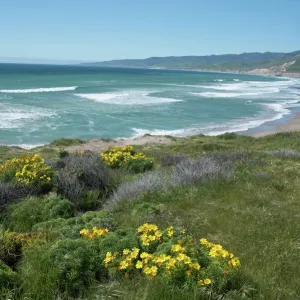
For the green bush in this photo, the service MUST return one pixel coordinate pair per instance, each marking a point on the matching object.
(92, 200)
(64, 270)
(63, 153)
(63, 142)
(227, 136)
(138, 165)
(12, 245)
(67, 268)
(22, 216)
(8, 277)
(69, 228)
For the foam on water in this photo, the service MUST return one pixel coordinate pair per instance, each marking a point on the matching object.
(222, 95)
(133, 97)
(18, 116)
(280, 109)
(39, 90)
(25, 146)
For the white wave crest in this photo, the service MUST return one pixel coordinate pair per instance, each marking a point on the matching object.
(26, 146)
(223, 95)
(128, 98)
(39, 90)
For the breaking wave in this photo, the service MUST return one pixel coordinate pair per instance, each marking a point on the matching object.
(134, 97)
(39, 90)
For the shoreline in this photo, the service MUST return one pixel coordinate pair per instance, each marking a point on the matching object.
(290, 125)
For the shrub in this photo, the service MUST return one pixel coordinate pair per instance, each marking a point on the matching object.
(70, 186)
(148, 182)
(66, 142)
(69, 228)
(126, 157)
(138, 165)
(14, 192)
(193, 170)
(227, 136)
(22, 216)
(92, 200)
(63, 153)
(227, 158)
(285, 153)
(12, 245)
(189, 171)
(64, 270)
(67, 268)
(80, 174)
(172, 159)
(89, 169)
(8, 277)
(27, 169)
(174, 256)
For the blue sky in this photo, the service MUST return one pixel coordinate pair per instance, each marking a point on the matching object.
(96, 30)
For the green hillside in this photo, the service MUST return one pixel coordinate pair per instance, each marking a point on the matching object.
(76, 236)
(245, 61)
(295, 68)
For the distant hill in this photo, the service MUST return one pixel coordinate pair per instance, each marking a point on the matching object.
(295, 68)
(238, 62)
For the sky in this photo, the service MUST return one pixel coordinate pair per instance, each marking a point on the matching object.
(98, 30)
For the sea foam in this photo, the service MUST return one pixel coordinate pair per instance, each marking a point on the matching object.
(12, 116)
(134, 97)
(39, 90)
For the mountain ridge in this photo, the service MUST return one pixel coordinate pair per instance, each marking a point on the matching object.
(274, 62)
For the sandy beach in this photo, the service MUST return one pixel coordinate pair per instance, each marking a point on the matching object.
(291, 125)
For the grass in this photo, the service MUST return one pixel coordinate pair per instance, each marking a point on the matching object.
(253, 212)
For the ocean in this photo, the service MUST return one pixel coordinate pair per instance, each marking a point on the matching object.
(40, 103)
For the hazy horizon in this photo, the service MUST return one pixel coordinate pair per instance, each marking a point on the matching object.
(23, 60)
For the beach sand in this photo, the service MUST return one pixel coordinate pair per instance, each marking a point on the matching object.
(291, 125)
(99, 145)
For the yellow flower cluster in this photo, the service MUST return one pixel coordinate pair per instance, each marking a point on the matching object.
(177, 259)
(28, 169)
(216, 250)
(204, 282)
(117, 156)
(94, 233)
(149, 233)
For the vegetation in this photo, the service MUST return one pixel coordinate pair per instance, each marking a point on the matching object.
(66, 142)
(295, 68)
(244, 61)
(106, 232)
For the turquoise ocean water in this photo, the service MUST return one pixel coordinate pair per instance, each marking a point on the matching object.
(40, 103)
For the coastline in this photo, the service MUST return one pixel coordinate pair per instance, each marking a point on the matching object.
(287, 123)
(282, 125)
